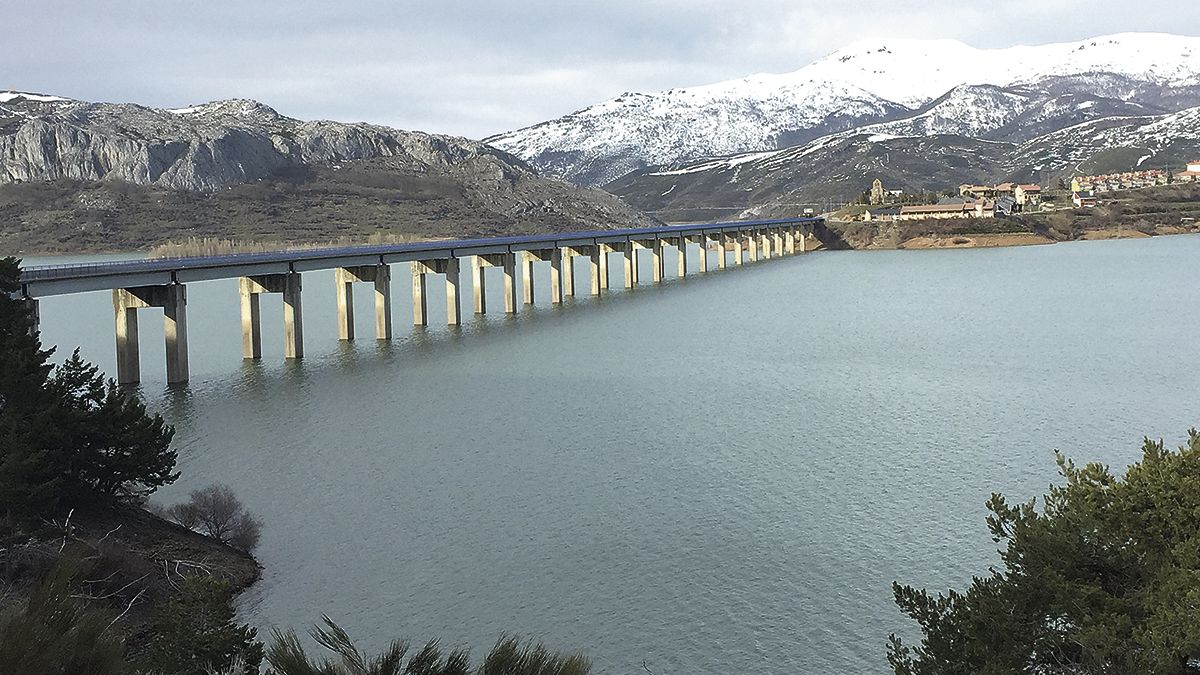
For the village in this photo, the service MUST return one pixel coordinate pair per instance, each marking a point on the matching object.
(1005, 199)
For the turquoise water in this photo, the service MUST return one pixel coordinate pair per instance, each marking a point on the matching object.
(722, 474)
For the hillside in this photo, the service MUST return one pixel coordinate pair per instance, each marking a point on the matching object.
(78, 176)
(912, 87)
(839, 167)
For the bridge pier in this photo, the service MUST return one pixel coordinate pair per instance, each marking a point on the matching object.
(629, 258)
(173, 301)
(594, 265)
(764, 242)
(656, 260)
(703, 241)
(681, 262)
(345, 278)
(737, 248)
(567, 261)
(293, 315)
(721, 240)
(508, 263)
(448, 267)
(789, 241)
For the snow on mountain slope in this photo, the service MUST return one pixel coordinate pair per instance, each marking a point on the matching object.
(632, 131)
(912, 72)
(865, 83)
(1016, 113)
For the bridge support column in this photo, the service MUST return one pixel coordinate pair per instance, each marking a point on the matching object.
(453, 306)
(567, 255)
(703, 241)
(764, 244)
(125, 306)
(803, 241)
(777, 235)
(478, 282)
(293, 317)
(344, 280)
(721, 239)
(345, 303)
(753, 240)
(789, 240)
(737, 248)
(657, 260)
(604, 251)
(420, 309)
(594, 267)
(630, 259)
(556, 281)
(173, 301)
(510, 283)
(448, 267)
(682, 262)
(527, 276)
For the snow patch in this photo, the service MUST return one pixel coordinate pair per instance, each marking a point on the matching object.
(6, 96)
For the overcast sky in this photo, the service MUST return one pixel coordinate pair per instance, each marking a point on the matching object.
(477, 68)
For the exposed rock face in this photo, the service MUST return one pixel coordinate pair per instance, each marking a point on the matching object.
(199, 148)
(80, 176)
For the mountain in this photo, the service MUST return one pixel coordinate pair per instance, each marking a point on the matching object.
(864, 84)
(129, 175)
(840, 167)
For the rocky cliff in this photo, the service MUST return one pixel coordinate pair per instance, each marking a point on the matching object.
(83, 176)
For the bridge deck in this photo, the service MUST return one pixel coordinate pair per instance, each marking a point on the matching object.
(43, 280)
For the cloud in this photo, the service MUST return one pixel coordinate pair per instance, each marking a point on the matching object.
(473, 68)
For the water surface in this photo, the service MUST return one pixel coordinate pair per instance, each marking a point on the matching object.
(722, 474)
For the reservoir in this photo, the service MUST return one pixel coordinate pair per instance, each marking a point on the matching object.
(719, 474)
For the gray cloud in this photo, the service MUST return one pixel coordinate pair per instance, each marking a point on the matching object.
(479, 68)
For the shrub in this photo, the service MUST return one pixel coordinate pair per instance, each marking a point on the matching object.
(217, 512)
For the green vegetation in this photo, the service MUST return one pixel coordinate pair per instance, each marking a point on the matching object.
(509, 657)
(196, 629)
(66, 434)
(1105, 578)
(57, 633)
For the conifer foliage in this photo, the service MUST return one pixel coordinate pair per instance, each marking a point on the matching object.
(1103, 578)
(67, 433)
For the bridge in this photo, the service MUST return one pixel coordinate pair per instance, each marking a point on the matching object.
(161, 283)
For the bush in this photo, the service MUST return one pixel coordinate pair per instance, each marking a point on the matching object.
(195, 632)
(217, 512)
(56, 632)
(1102, 580)
(509, 657)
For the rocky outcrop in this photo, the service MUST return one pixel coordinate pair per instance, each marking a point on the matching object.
(201, 148)
(78, 176)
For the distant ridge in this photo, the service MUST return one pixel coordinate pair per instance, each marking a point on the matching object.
(866, 83)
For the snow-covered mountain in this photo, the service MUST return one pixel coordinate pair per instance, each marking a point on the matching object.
(916, 83)
(840, 166)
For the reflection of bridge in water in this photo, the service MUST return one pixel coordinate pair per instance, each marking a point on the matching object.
(138, 284)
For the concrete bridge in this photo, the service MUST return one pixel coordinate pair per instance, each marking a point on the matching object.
(161, 283)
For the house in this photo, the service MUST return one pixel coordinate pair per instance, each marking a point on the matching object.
(1083, 200)
(1194, 167)
(881, 213)
(973, 209)
(977, 191)
(1028, 195)
(1192, 175)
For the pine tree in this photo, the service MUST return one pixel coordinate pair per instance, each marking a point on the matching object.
(67, 433)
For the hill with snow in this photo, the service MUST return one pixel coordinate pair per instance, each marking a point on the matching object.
(902, 87)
